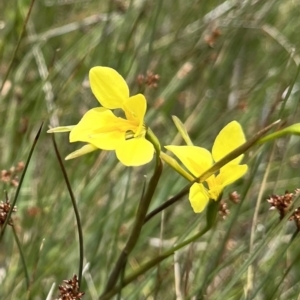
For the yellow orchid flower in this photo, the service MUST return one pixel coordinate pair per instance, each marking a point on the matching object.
(197, 160)
(101, 129)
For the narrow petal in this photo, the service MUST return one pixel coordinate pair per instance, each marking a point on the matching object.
(229, 138)
(230, 173)
(198, 197)
(83, 150)
(196, 159)
(135, 109)
(100, 127)
(135, 152)
(109, 87)
(61, 129)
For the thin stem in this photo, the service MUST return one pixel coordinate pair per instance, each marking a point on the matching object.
(212, 212)
(77, 216)
(168, 203)
(250, 272)
(18, 45)
(13, 204)
(137, 227)
(150, 264)
(22, 258)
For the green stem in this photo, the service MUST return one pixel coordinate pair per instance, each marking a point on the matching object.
(147, 266)
(210, 221)
(18, 45)
(168, 203)
(77, 215)
(137, 227)
(22, 258)
(13, 204)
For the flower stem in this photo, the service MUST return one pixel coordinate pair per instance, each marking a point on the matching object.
(13, 204)
(137, 228)
(14, 55)
(150, 264)
(22, 258)
(77, 216)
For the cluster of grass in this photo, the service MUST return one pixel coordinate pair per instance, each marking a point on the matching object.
(217, 61)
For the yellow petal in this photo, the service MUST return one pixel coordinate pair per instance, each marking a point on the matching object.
(196, 159)
(61, 129)
(100, 127)
(135, 109)
(83, 150)
(135, 152)
(109, 87)
(198, 197)
(215, 188)
(230, 173)
(229, 138)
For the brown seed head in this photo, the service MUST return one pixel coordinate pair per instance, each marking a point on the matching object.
(5, 207)
(281, 203)
(223, 210)
(11, 176)
(70, 290)
(284, 205)
(150, 80)
(211, 38)
(234, 197)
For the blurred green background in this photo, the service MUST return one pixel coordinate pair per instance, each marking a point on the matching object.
(217, 61)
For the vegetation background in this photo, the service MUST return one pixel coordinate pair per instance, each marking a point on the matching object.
(217, 61)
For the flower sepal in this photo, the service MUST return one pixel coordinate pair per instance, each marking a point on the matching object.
(212, 212)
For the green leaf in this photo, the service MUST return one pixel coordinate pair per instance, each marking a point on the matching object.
(61, 129)
(180, 127)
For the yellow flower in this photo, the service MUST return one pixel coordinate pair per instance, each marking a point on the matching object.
(198, 160)
(101, 129)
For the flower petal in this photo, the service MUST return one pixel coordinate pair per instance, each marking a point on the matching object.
(198, 197)
(135, 152)
(229, 138)
(61, 129)
(83, 150)
(196, 159)
(135, 109)
(100, 127)
(108, 86)
(230, 173)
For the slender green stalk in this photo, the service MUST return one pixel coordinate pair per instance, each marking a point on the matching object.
(21, 181)
(289, 91)
(35, 269)
(152, 263)
(18, 45)
(169, 202)
(137, 227)
(286, 272)
(140, 216)
(22, 258)
(211, 217)
(263, 282)
(77, 215)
